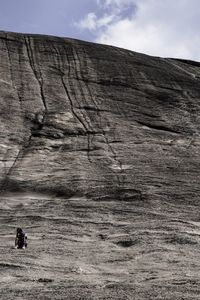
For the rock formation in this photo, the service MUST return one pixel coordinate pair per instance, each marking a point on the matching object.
(85, 119)
(109, 140)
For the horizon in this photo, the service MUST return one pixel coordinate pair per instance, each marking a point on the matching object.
(82, 40)
(152, 27)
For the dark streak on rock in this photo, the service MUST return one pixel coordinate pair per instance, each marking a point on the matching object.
(158, 127)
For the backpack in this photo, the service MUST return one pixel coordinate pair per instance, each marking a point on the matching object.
(21, 239)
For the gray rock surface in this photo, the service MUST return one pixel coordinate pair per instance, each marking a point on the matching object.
(99, 155)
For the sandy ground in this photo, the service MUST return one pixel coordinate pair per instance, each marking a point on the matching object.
(85, 249)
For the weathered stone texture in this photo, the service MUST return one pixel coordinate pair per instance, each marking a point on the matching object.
(99, 163)
(86, 119)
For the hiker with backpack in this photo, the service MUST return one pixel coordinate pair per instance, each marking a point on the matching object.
(21, 239)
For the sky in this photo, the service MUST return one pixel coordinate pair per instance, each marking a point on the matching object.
(167, 28)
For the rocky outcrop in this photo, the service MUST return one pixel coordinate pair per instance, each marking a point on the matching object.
(99, 153)
(86, 119)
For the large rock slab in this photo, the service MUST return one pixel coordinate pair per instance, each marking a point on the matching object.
(99, 162)
(88, 119)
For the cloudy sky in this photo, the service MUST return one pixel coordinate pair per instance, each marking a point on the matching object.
(169, 28)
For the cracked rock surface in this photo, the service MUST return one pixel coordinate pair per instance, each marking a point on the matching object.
(99, 162)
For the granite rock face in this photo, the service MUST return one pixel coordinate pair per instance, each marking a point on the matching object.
(85, 119)
(99, 152)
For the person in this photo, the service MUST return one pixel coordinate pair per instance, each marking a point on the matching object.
(21, 239)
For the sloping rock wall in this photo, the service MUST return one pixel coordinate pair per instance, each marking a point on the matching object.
(85, 119)
(99, 164)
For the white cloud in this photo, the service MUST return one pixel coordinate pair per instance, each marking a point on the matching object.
(111, 13)
(91, 22)
(157, 27)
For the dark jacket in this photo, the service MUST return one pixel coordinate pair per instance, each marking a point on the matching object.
(21, 239)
